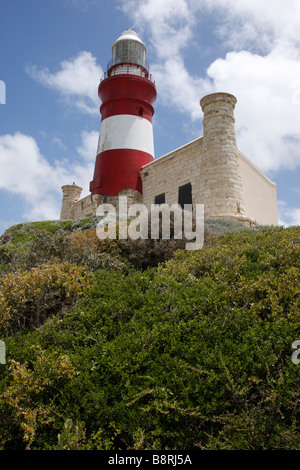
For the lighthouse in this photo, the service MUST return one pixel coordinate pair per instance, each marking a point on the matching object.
(127, 93)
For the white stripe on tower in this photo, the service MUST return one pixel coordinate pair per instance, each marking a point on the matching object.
(125, 131)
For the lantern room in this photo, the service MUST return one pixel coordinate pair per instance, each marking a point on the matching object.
(128, 49)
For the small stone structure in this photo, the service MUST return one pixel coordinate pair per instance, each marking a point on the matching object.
(209, 170)
(71, 194)
(87, 206)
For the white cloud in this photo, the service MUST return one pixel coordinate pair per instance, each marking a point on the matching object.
(253, 22)
(265, 78)
(27, 173)
(288, 216)
(77, 78)
(266, 115)
(88, 147)
(169, 23)
(23, 168)
(294, 215)
(176, 86)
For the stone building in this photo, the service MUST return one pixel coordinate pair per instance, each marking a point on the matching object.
(210, 170)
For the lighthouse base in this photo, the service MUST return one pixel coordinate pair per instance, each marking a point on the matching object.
(116, 170)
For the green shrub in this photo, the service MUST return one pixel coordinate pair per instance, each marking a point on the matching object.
(144, 253)
(194, 354)
(28, 298)
(26, 396)
(81, 247)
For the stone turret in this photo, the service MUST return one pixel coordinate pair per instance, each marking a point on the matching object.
(221, 185)
(71, 194)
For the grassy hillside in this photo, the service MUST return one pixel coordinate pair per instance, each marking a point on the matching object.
(141, 345)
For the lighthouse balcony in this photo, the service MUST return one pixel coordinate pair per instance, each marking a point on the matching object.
(128, 69)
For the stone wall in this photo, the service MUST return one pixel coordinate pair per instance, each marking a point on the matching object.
(87, 206)
(167, 173)
(259, 192)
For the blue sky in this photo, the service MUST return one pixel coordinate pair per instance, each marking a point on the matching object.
(53, 54)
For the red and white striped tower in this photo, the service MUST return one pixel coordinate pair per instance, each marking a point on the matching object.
(125, 144)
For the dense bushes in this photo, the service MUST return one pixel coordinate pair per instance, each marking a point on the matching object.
(193, 354)
(23, 395)
(30, 245)
(79, 247)
(28, 298)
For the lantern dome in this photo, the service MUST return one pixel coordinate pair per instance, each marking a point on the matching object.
(128, 49)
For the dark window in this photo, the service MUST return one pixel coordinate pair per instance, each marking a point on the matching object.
(185, 195)
(160, 199)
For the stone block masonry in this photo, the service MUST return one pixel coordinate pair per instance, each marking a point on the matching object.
(220, 189)
(166, 174)
(74, 208)
(71, 194)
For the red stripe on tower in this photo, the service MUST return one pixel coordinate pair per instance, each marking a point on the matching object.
(125, 145)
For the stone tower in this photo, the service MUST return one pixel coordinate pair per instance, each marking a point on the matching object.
(221, 185)
(71, 194)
